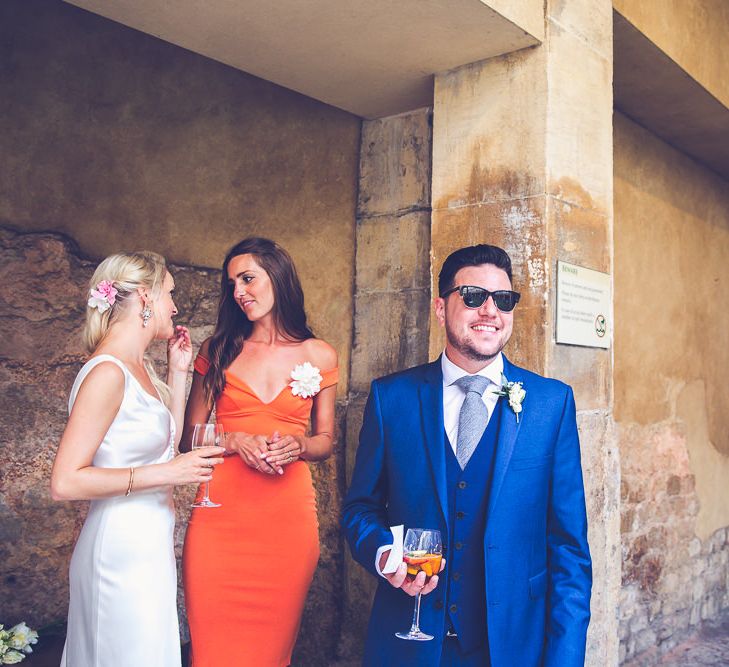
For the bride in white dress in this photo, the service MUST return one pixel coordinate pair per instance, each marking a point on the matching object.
(118, 450)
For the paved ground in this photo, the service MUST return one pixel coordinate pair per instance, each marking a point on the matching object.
(709, 647)
(47, 653)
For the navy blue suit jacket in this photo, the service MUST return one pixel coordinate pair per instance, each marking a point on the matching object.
(537, 559)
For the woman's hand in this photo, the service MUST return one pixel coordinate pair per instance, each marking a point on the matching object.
(196, 466)
(251, 449)
(282, 450)
(179, 351)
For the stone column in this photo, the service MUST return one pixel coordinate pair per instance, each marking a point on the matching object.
(391, 295)
(522, 158)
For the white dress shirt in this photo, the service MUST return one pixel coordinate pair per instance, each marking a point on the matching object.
(453, 397)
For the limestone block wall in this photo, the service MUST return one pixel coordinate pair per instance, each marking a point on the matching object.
(391, 298)
(671, 404)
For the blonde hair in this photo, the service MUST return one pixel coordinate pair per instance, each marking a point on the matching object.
(127, 272)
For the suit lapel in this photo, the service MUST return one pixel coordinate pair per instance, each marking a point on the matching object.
(431, 415)
(508, 432)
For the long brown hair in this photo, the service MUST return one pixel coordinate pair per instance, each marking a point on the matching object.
(233, 327)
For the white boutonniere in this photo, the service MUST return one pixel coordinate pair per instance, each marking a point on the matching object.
(515, 392)
(306, 380)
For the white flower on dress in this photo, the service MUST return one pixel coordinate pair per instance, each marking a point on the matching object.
(306, 380)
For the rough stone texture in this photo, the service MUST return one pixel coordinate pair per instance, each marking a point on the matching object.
(321, 624)
(601, 471)
(671, 234)
(579, 174)
(40, 354)
(670, 399)
(536, 178)
(709, 646)
(672, 580)
(392, 296)
(119, 139)
(394, 165)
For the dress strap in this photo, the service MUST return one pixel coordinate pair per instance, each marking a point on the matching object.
(87, 368)
(202, 363)
(329, 378)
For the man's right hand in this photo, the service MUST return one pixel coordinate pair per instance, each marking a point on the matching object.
(399, 578)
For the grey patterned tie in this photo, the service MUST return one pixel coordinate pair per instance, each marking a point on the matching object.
(473, 417)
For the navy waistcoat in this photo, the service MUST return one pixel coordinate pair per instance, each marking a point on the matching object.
(468, 497)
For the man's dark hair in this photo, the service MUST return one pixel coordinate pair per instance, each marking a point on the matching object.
(474, 255)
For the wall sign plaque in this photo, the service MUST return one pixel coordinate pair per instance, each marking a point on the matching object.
(584, 306)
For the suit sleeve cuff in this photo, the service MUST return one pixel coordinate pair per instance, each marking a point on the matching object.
(380, 551)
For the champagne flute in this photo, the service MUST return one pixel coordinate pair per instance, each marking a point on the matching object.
(206, 435)
(423, 550)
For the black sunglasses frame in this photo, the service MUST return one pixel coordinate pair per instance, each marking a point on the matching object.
(464, 291)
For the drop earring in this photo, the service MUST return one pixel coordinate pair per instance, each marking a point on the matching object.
(146, 315)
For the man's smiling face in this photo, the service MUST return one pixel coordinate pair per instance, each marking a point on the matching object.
(475, 335)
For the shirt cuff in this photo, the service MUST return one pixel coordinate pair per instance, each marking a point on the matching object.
(380, 551)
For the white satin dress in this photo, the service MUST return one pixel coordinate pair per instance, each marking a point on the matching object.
(123, 579)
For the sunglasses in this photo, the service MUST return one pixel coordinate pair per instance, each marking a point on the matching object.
(475, 297)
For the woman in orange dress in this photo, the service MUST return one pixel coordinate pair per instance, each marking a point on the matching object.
(248, 564)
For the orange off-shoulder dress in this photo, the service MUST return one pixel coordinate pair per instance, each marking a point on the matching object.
(247, 565)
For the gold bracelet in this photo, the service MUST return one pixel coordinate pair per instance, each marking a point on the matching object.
(131, 481)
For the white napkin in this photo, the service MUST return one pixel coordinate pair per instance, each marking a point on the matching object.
(395, 557)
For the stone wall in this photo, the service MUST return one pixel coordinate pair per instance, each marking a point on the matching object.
(671, 405)
(392, 296)
(119, 139)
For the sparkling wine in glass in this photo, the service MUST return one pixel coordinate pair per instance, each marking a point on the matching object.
(422, 550)
(206, 435)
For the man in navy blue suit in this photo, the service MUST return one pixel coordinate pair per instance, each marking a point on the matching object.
(487, 453)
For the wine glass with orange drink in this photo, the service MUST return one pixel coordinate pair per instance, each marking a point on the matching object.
(422, 551)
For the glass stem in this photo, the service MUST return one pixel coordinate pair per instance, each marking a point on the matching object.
(416, 615)
(207, 491)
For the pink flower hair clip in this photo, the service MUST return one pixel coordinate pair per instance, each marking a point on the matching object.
(103, 297)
